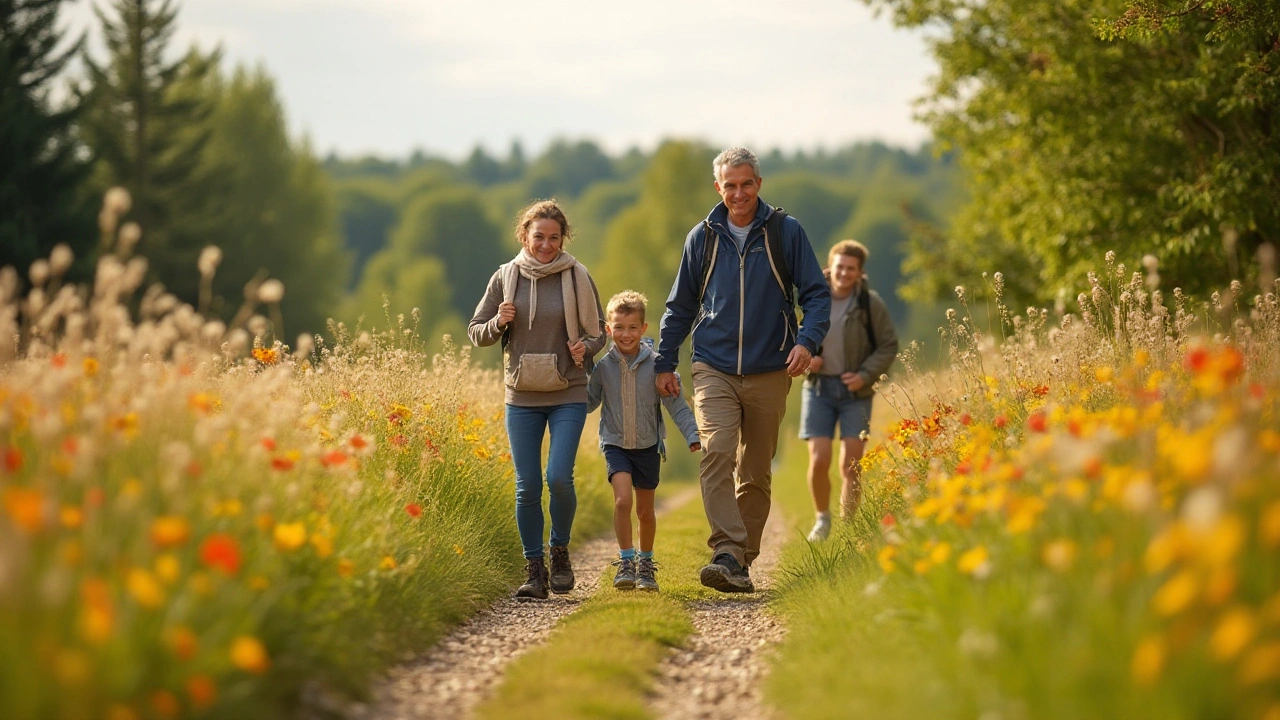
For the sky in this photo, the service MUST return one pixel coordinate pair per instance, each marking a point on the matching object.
(386, 77)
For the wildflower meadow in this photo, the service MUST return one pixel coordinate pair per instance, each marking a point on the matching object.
(197, 520)
(1070, 519)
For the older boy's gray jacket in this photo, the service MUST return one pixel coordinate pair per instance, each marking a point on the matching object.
(859, 357)
(630, 417)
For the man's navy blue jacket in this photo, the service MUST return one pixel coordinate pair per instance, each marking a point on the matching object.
(744, 324)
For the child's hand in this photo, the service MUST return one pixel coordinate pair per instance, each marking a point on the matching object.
(695, 447)
(815, 364)
(578, 351)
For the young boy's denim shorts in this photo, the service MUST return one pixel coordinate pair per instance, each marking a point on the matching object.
(643, 464)
(825, 402)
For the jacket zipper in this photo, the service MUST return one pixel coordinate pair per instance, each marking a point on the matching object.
(742, 300)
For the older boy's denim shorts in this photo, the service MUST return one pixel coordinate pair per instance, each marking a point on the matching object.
(825, 402)
(644, 464)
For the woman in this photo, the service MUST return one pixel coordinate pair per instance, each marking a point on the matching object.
(544, 308)
(858, 349)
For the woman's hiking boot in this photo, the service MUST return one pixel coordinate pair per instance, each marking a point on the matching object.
(645, 580)
(536, 586)
(727, 575)
(561, 570)
(625, 579)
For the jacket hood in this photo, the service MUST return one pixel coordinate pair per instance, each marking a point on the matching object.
(719, 214)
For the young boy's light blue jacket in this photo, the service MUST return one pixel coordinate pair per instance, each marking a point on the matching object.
(631, 417)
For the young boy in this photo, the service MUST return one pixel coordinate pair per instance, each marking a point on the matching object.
(631, 432)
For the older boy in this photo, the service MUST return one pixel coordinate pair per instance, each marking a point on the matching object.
(631, 432)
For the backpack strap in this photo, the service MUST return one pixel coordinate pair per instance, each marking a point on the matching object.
(777, 257)
(864, 304)
(773, 244)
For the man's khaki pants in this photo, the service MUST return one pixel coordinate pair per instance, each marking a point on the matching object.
(738, 419)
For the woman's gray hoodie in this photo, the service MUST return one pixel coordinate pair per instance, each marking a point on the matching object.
(631, 417)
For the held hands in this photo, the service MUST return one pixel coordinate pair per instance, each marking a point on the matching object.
(695, 447)
(854, 381)
(578, 350)
(815, 365)
(506, 313)
(798, 360)
(668, 385)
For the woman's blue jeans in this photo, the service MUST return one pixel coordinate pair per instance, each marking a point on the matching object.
(526, 427)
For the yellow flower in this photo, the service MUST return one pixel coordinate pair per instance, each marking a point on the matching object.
(885, 557)
(1104, 373)
(1261, 665)
(1269, 526)
(1059, 555)
(940, 553)
(322, 544)
(481, 452)
(169, 531)
(346, 567)
(168, 567)
(25, 507)
(457, 549)
(290, 536)
(90, 367)
(143, 587)
(249, 655)
(1175, 594)
(1233, 632)
(388, 563)
(1148, 661)
(974, 561)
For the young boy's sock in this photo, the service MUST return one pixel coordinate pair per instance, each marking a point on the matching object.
(824, 515)
(646, 555)
(628, 554)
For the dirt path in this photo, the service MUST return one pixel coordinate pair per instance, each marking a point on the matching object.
(465, 666)
(718, 674)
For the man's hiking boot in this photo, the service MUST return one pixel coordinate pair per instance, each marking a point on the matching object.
(644, 575)
(727, 575)
(561, 570)
(536, 586)
(625, 579)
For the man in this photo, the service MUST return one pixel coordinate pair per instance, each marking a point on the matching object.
(859, 348)
(746, 350)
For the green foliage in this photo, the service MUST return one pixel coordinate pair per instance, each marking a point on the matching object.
(367, 219)
(1162, 142)
(566, 169)
(283, 221)
(41, 178)
(147, 124)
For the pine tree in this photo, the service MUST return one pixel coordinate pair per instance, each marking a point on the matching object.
(147, 123)
(41, 174)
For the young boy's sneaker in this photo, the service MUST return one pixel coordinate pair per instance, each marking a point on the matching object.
(625, 579)
(645, 580)
(562, 579)
(727, 575)
(821, 529)
(536, 586)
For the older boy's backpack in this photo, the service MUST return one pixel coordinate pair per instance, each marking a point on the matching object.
(772, 243)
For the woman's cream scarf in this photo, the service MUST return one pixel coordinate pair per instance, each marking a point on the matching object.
(581, 314)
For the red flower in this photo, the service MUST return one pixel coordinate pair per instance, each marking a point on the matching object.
(12, 459)
(888, 521)
(269, 444)
(333, 458)
(221, 551)
(414, 510)
(1038, 422)
(282, 462)
(399, 441)
(966, 419)
(1197, 359)
(1000, 421)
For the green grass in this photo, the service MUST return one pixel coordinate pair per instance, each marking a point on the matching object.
(600, 662)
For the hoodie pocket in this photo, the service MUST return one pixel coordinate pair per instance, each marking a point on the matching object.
(539, 372)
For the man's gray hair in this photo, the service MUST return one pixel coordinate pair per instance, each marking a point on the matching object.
(733, 157)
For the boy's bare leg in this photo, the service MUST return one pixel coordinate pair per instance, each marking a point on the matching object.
(648, 519)
(622, 510)
(851, 474)
(819, 473)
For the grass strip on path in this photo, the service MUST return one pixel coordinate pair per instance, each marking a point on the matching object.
(600, 662)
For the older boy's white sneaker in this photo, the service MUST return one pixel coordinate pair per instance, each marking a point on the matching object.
(821, 529)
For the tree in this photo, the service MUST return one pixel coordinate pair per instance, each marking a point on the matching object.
(42, 178)
(1102, 124)
(566, 169)
(281, 220)
(147, 124)
(367, 213)
(453, 226)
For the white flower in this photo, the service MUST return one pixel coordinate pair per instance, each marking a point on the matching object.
(271, 291)
(61, 258)
(210, 257)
